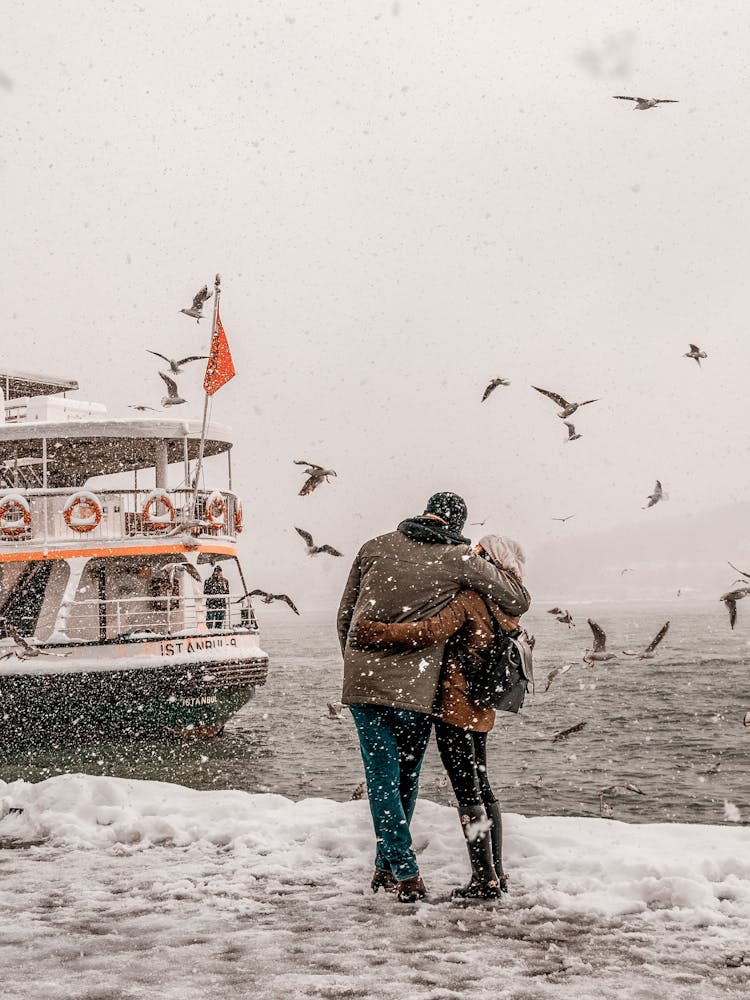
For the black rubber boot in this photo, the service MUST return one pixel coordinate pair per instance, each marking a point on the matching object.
(484, 882)
(496, 836)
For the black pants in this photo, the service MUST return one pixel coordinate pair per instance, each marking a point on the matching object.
(464, 757)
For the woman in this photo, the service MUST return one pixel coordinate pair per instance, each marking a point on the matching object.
(461, 727)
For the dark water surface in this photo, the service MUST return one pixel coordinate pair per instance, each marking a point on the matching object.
(672, 725)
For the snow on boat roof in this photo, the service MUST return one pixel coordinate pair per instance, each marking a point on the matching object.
(16, 385)
(104, 447)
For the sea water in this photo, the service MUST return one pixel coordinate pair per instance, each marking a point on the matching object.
(672, 726)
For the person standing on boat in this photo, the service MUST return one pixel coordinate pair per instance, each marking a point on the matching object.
(216, 607)
(407, 575)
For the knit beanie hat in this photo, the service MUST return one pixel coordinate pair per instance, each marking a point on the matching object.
(450, 507)
(505, 553)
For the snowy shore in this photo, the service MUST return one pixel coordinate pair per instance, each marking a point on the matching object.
(116, 889)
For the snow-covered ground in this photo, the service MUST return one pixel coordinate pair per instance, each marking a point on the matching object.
(116, 889)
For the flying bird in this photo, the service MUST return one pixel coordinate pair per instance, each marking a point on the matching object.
(316, 475)
(493, 385)
(312, 548)
(554, 673)
(196, 309)
(567, 619)
(628, 569)
(477, 524)
(266, 598)
(142, 409)
(649, 652)
(605, 809)
(730, 599)
(695, 352)
(572, 436)
(23, 649)
(656, 496)
(172, 569)
(740, 571)
(565, 733)
(335, 708)
(644, 103)
(554, 611)
(176, 366)
(563, 519)
(599, 653)
(568, 409)
(173, 398)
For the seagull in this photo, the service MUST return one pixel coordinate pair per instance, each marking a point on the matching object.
(563, 519)
(565, 733)
(316, 473)
(644, 103)
(567, 619)
(176, 366)
(628, 569)
(555, 673)
(648, 653)
(173, 568)
(695, 352)
(312, 548)
(740, 571)
(478, 524)
(730, 599)
(23, 649)
(599, 653)
(493, 385)
(173, 398)
(568, 409)
(266, 598)
(335, 708)
(554, 611)
(605, 809)
(572, 436)
(142, 409)
(656, 496)
(196, 310)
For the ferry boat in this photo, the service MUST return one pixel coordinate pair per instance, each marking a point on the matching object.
(107, 625)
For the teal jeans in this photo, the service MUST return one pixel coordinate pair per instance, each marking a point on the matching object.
(393, 742)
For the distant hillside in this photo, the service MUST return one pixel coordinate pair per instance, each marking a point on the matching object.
(662, 554)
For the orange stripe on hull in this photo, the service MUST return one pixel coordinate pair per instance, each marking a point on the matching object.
(92, 553)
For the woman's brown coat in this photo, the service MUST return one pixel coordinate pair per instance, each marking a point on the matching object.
(465, 625)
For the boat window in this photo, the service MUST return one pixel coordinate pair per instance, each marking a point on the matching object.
(126, 596)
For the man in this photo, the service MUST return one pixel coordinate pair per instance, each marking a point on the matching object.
(216, 607)
(407, 575)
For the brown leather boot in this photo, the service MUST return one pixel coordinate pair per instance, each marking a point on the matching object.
(411, 889)
(383, 879)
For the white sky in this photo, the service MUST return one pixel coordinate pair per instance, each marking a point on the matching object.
(403, 199)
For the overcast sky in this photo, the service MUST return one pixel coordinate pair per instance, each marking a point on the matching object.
(404, 199)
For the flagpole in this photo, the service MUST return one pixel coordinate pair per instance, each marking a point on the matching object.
(217, 294)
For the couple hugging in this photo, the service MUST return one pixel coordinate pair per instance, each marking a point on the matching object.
(420, 611)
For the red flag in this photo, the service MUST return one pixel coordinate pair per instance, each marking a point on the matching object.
(220, 367)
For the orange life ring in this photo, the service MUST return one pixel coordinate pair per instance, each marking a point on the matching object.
(216, 510)
(14, 504)
(159, 522)
(238, 525)
(91, 515)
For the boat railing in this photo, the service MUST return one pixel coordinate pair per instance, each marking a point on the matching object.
(141, 617)
(63, 515)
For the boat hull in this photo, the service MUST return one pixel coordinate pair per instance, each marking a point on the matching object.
(186, 687)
